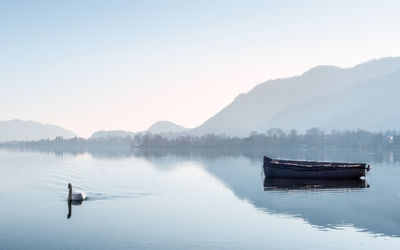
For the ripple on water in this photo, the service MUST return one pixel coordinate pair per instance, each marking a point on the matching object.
(104, 196)
(107, 196)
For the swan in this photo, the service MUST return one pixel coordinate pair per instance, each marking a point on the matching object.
(76, 196)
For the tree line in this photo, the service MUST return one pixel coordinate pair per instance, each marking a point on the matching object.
(313, 137)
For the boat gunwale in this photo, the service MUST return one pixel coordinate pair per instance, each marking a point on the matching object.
(333, 166)
(310, 165)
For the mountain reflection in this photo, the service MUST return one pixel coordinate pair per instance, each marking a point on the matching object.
(327, 204)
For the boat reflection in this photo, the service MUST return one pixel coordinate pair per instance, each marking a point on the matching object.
(298, 184)
(70, 203)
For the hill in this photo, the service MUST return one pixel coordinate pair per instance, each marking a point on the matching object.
(369, 105)
(18, 130)
(259, 109)
(162, 127)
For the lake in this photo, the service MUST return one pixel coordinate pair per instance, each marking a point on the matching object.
(204, 199)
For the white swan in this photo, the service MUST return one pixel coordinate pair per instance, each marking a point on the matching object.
(76, 196)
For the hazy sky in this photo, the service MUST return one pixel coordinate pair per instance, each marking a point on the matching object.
(91, 65)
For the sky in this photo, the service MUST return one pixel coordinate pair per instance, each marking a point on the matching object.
(106, 65)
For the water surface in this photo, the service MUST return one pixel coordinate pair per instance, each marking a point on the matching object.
(192, 200)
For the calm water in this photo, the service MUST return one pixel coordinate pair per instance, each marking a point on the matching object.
(191, 200)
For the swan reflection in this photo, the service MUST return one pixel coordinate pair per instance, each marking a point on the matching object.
(70, 203)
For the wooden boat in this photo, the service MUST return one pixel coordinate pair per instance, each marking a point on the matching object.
(313, 169)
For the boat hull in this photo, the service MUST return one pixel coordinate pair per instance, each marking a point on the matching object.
(313, 170)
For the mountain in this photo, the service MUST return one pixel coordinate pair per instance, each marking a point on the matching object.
(18, 130)
(370, 105)
(258, 109)
(111, 133)
(161, 127)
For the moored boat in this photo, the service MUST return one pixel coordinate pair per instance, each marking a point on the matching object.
(313, 169)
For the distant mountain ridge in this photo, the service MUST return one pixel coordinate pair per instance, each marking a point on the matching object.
(165, 128)
(161, 127)
(18, 130)
(327, 97)
(370, 105)
(261, 108)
